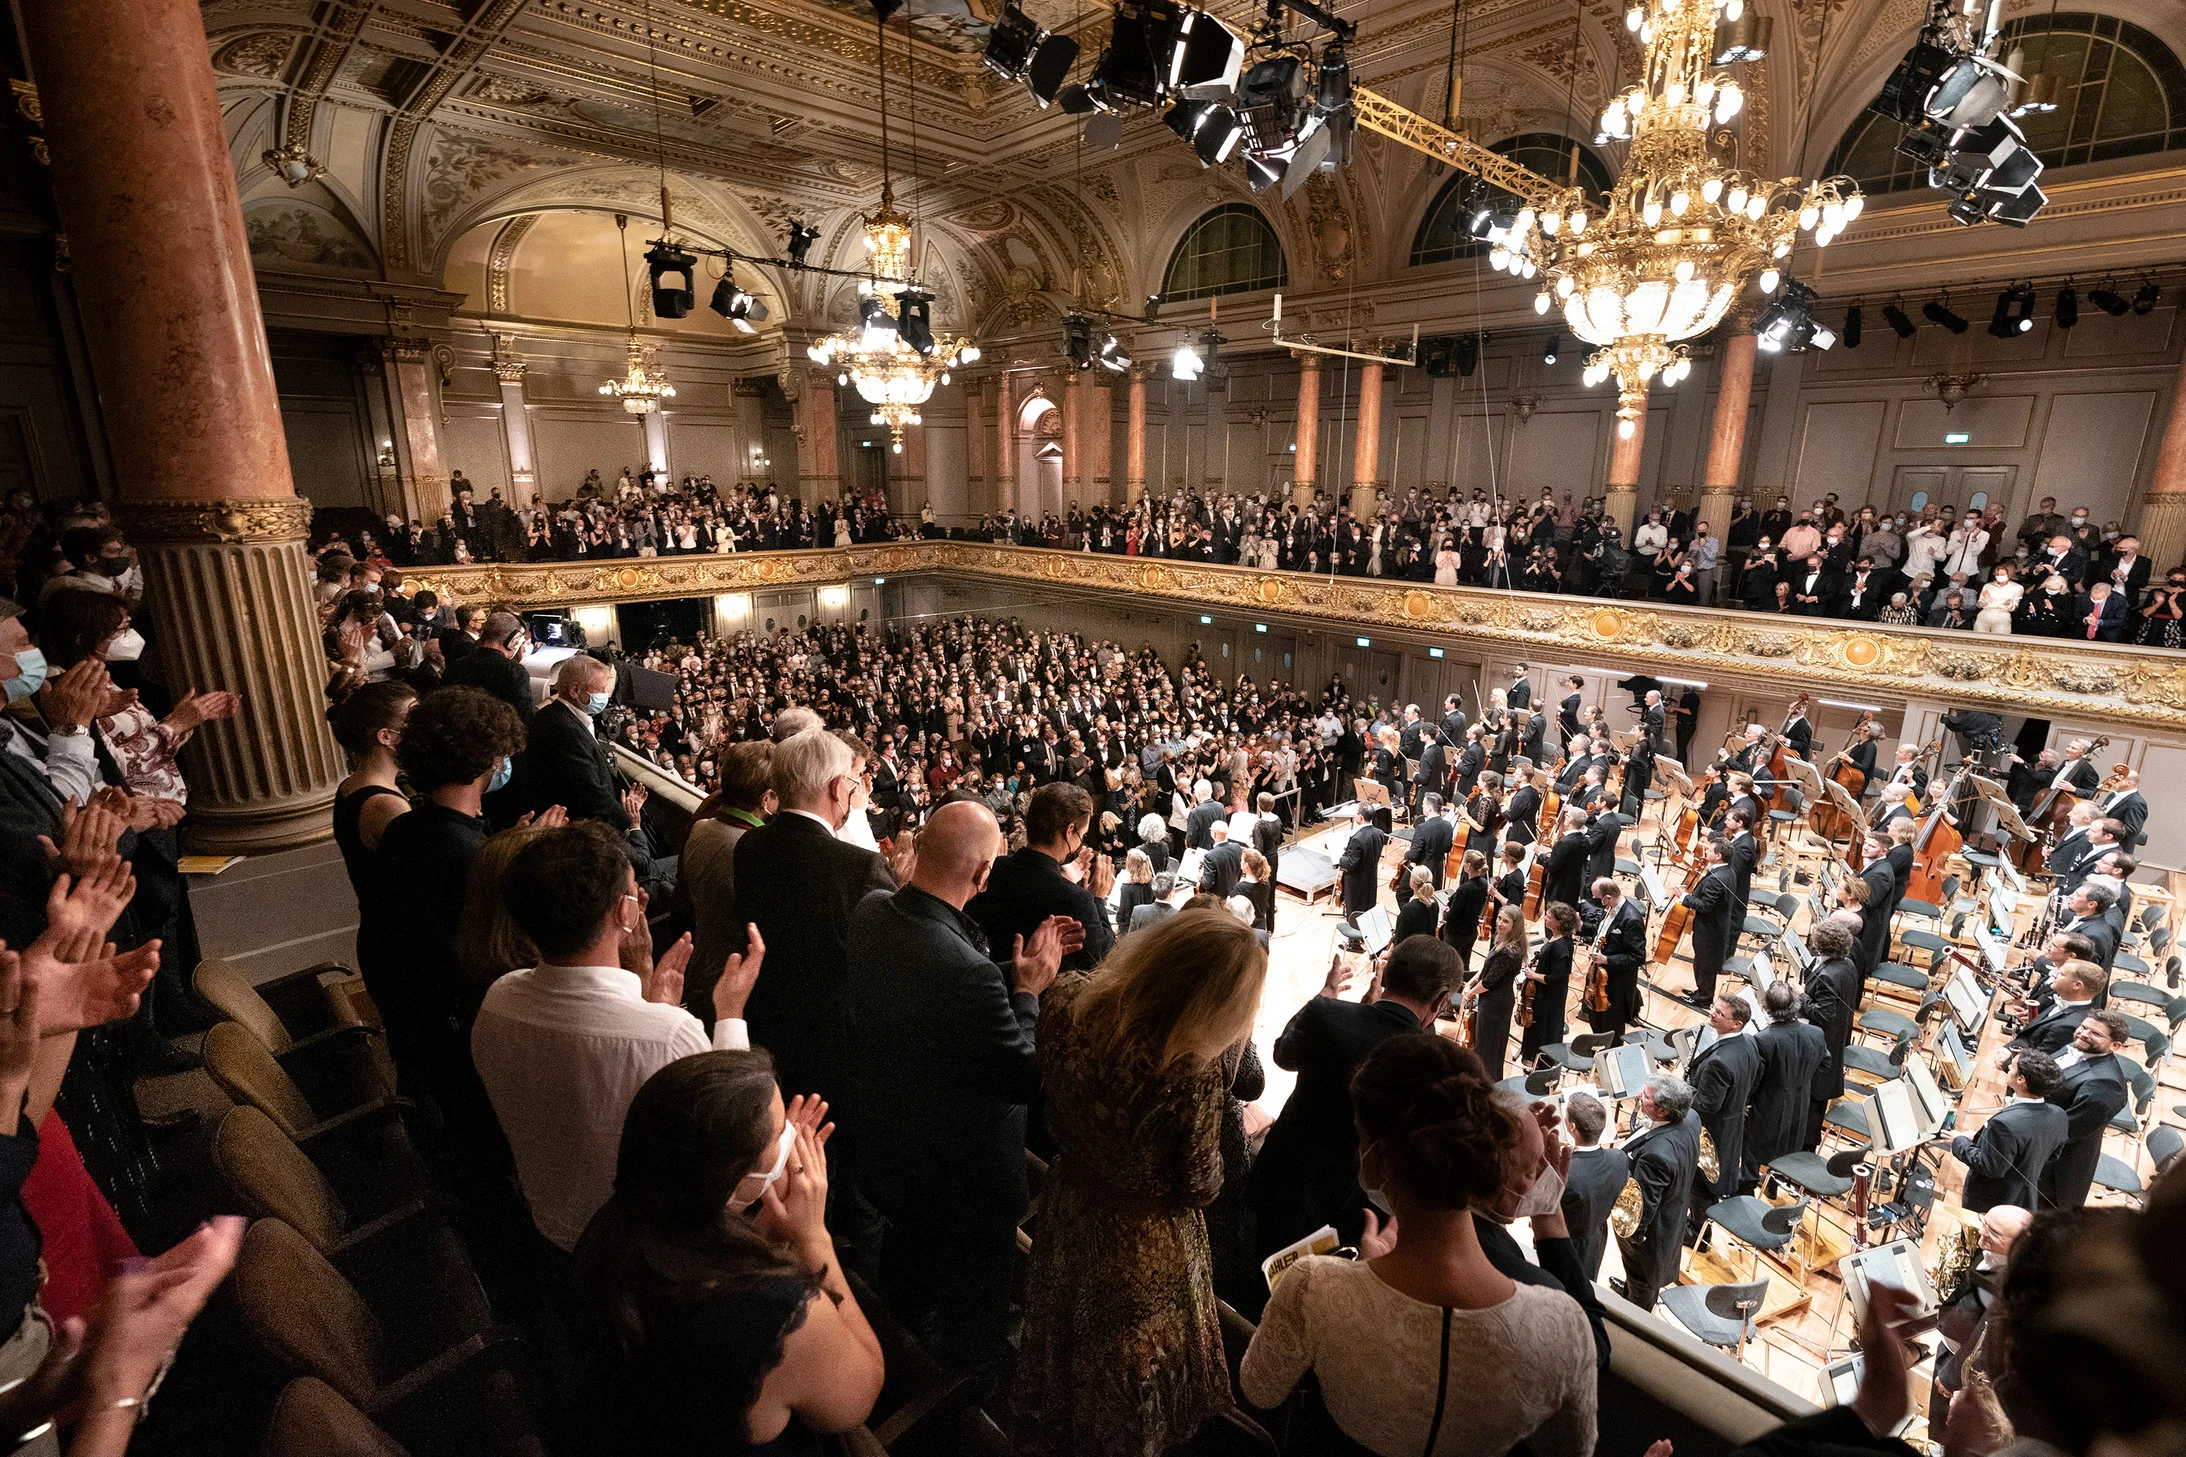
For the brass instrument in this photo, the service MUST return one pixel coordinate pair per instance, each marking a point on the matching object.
(1958, 1251)
(1711, 1164)
(1624, 1216)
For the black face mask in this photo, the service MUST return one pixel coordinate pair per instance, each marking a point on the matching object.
(113, 566)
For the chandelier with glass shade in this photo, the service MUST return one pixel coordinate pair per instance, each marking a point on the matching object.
(1684, 231)
(893, 358)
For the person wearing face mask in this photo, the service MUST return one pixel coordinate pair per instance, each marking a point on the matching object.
(942, 1068)
(565, 761)
(496, 664)
(1426, 1345)
(98, 561)
(2162, 615)
(563, 1047)
(710, 1274)
(61, 748)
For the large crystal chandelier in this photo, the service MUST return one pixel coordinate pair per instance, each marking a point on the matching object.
(643, 386)
(893, 358)
(1684, 231)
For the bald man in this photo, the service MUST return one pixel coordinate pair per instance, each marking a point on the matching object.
(941, 1066)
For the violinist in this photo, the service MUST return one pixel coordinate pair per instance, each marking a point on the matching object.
(1483, 815)
(1601, 844)
(1587, 793)
(1550, 975)
(1798, 732)
(1577, 759)
(1715, 797)
(1509, 886)
(1879, 878)
(1496, 988)
(1745, 796)
(1461, 916)
(1522, 814)
(1566, 873)
(1639, 777)
(1620, 940)
(1718, 914)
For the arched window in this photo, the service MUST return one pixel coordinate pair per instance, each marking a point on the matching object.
(1445, 234)
(1230, 250)
(2122, 94)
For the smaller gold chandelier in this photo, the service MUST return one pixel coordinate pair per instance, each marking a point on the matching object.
(642, 388)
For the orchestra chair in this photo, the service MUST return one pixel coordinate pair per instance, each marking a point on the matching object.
(1918, 939)
(1661, 1045)
(2138, 992)
(1866, 1062)
(1898, 974)
(1849, 1119)
(1762, 1227)
(1577, 1055)
(1629, 868)
(2141, 1092)
(1536, 1084)
(1808, 1173)
(1721, 1315)
(2164, 1144)
(2116, 1176)
(1886, 1023)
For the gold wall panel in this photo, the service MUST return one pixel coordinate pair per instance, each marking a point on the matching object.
(2046, 677)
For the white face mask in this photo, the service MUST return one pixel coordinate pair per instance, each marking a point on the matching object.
(1546, 1196)
(126, 647)
(782, 1146)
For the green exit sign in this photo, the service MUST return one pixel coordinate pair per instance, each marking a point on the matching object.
(1958, 437)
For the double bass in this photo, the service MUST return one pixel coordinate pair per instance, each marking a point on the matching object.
(2052, 814)
(1828, 820)
(1936, 843)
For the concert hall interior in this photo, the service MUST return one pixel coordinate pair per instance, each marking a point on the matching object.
(1191, 727)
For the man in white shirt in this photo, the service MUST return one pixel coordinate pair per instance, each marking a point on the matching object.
(563, 1047)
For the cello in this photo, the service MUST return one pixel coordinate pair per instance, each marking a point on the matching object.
(1936, 843)
(1675, 922)
(2052, 813)
(1828, 820)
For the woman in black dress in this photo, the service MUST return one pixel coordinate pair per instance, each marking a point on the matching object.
(1461, 917)
(1484, 815)
(1496, 991)
(368, 724)
(702, 1328)
(1551, 978)
(1417, 918)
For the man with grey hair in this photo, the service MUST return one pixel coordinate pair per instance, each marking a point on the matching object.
(1199, 824)
(565, 762)
(793, 721)
(496, 665)
(1665, 1156)
(1792, 1054)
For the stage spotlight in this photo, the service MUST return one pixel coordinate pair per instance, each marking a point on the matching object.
(2068, 306)
(801, 239)
(1465, 354)
(876, 326)
(1933, 83)
(1272, 101)
(2108, 300)
(1743, 39)
(1548, 355)
(740, 308)
(665, 261)
(1938, 311)
(1852, 322)
(1111, 356)
(2014, 312)
(1128, 75)
(1153, 307)
(1207, 58)
(1187, 363)
(914, 320)
(1893, 314)
(1261, 174)
(1788, 324)
(1018, 50)
(2144, 302)
(1078, 340)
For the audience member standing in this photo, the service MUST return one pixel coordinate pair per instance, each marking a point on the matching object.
(1596, 1178)
(1050, 877)
(496, 664)
(1122, 1352)
(942, 1068)
(706, 870)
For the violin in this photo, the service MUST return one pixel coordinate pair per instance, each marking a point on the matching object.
(1468, 1018)
(1523, 1017)
(1597, 972)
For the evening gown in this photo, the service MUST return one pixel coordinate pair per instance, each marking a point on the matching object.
(1498, 1000)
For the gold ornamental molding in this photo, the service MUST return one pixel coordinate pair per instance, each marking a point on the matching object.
(228, 523)
(2036, 676)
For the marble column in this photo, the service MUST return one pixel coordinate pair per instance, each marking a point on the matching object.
(1727, 435)
(1073, 407)
(2161, 520)
(411, 383)
(516, 427)
(1366, 460)
(1625, 452)
(1005, 446)
(1306, 465)
(1134, 447)
(812, 399)
(1097, 442)
(146, 191)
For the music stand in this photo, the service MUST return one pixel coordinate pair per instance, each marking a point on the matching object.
(1620, 1072)
(1658, 899)
(1804, 776)
(1375, 928)
(2007, 813)
(1898, 1264)
(1843, 800)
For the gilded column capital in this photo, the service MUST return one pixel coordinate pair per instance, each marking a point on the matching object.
(509, 371)
(406, 351)
(283, 518)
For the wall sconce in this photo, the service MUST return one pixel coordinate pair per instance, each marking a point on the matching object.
(1523, 406)
(387, 453)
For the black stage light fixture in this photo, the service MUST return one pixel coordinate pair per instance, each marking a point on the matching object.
(801, 239)
(1261, 174)
(2144, 302)
(1153, 307)
(914, 319)
(2108, 300)
(1437, 358)
(2017, 209)
(1218, 136)
(1184, 118)
(1938, 311)
(1465, 354)
(664, 261)
(1893, 314)
(1134, 69)
(732, 302)
(1272, 101)
(1548, 355)
(1076, 100)
(2014, 312)
(1904, 95)
(1078, 340)
(1111, 356)
(2068, 306)
(1018, 50)
(1852, 321)
(1743, 39)
(1788, 324)
(1972, 91)
(1207, 58)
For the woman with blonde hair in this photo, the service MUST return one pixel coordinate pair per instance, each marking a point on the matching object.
(488, 943)
(1138, 885)
(1122, 1350)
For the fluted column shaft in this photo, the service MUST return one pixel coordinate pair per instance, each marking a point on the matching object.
(2162, 517)
(146, 191)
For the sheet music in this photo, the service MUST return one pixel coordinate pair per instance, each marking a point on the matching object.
(1929, 1100)
(1187, 867)
(1801, 957)
(1893, 1120)
(1651, 883)
(1967, 1001)
(1992, 947)
(1375, 928)
(1621, 1071)
(2004, 906)
(1896, 1264)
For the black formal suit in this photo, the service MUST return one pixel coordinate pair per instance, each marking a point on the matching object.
(1717, 916)
(1408, 740)
(1831, 1002)
(799, 885)
(1461, 916)
(2105, 936)
(1624, 952)
(1666, 1161)
(2006, 1155)
(1360, 863)
(1742, 853)
(1453, 725)
(503, 677)
(1307, 1173)
(2052, 1031)
(1520, 694)
(1723, 1076)
(1199, 825)
(1152, 913)
(1791, 1055)
(1565, 878)
(1221, 868)
(1590, 1191)
(1521, 823)
(1875, 914)
(1549, 1000)
(1027, 887)
(1431, 841)
(563, 762)
(942, 1068)
(2093, 1091)
(1530, 743)
(2130, 810)
(1601, 845)
(2070, 859)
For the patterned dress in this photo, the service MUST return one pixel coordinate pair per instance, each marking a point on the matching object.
(1122, 1353)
